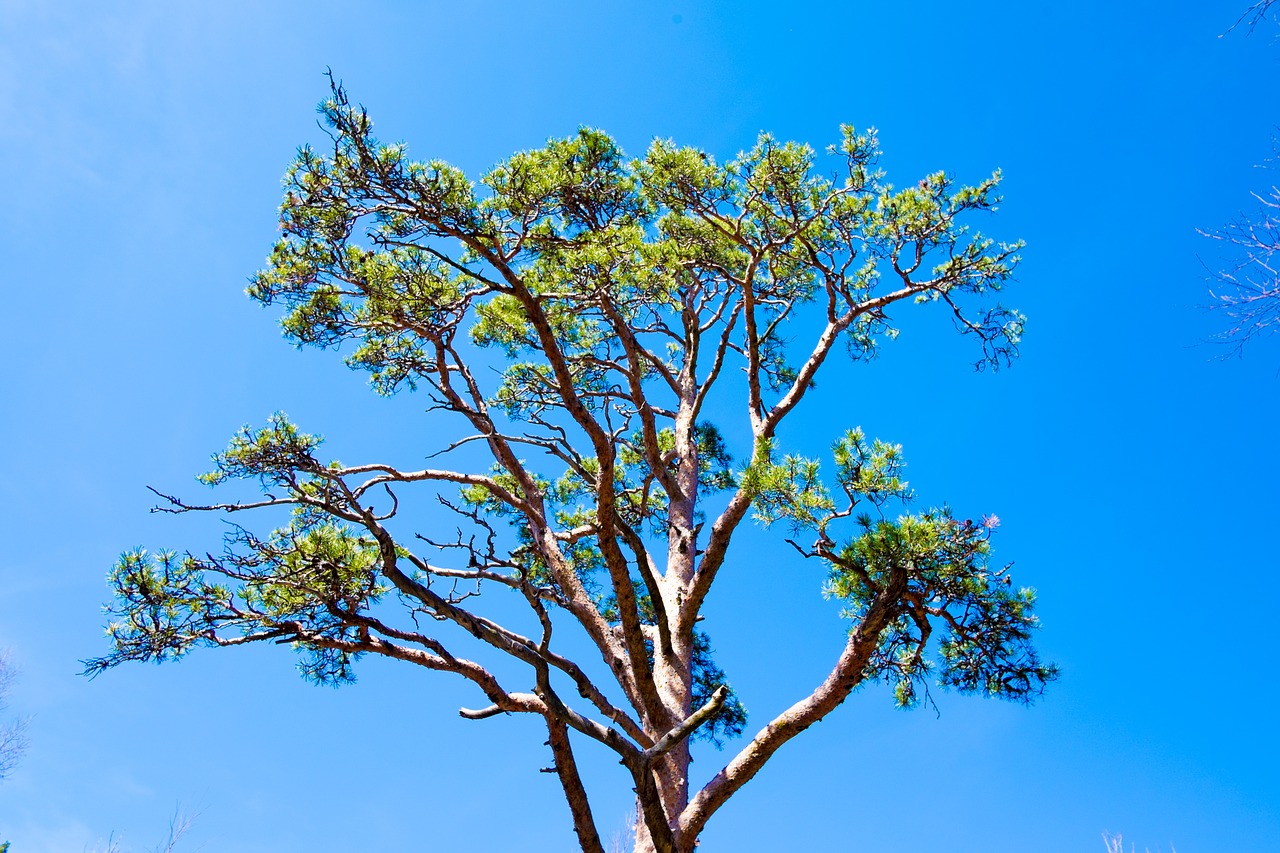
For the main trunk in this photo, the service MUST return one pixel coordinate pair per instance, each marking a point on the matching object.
(673, 669)
(671, 785)
(670, 772)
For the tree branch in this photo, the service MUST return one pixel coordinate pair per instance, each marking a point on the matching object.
(688, 726)
(847, 674)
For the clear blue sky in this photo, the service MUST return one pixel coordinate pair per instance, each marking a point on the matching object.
(1136, 476)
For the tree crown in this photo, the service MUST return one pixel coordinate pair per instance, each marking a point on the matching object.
(624, 301)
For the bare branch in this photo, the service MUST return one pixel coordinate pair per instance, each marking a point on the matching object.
(482, 714)
(1254, 15)
(1247, 290)
(688, 726)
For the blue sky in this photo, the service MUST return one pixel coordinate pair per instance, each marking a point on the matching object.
(1134, 472)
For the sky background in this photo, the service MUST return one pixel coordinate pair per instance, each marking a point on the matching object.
(1134, 471)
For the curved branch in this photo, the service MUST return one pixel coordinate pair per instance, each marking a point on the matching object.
(847, 674)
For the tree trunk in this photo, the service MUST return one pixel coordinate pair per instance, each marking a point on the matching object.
(669, 775)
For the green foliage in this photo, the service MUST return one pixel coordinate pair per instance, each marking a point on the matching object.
(584, 222)
(274, 454)
(791, 489)
(731, 720)
(795, 491)
(873, 472)
(304, 579)
(943, 562)
(937, 565)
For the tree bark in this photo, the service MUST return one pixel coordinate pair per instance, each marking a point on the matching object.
(584, 824)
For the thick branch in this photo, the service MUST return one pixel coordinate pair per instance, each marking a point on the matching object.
(845, 676)
(567, 769)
